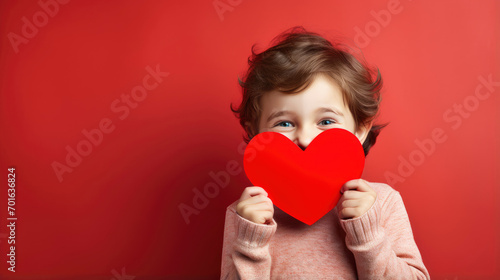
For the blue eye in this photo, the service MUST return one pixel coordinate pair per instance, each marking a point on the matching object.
(284, 124)
(327, 122)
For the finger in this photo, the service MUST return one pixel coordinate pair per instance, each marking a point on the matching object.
(268, 216)
(352, 194)
(356, 184)
(248, 207)
(258, 199)
(348, 213)
(350, 203)
(259, 207)
(252, 191)
(264, 217)
(257, 216)
(253, 211)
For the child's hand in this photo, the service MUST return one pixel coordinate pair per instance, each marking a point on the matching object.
(357, 198)
(255, 206)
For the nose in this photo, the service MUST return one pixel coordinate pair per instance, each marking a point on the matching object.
(304, 137)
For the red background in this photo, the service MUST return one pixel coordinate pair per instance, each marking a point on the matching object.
(119, 208)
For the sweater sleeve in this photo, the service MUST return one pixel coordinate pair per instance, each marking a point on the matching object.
(382, 242)
(245, 252)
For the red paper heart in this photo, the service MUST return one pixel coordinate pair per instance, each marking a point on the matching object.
(304, 184)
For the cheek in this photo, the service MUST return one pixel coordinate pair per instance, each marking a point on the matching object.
(284, 132)
(287, 135)
(347, 126)
(350, 125)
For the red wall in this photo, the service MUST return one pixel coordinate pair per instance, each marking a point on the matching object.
(115, 211)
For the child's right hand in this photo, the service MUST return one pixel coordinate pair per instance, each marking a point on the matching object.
(255, 206)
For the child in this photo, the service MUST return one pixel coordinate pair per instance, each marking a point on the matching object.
(301, 86)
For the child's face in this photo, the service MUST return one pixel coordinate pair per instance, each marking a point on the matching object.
(302, 116)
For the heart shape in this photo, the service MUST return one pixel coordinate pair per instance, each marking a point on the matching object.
(305, 184)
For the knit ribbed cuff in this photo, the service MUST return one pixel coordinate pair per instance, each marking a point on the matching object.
(363, 229)
(252, 234)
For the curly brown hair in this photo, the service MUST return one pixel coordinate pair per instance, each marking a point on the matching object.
(290, 65)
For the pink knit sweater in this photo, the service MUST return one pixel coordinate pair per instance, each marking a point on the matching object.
(377, 245)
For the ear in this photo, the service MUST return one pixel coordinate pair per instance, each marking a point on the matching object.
(362, 131)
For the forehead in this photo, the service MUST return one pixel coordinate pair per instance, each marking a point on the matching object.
(323, 91)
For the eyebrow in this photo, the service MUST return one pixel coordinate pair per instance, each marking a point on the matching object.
(326, 109)
(278, 114)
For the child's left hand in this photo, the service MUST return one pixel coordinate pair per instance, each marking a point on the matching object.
(357, 198)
